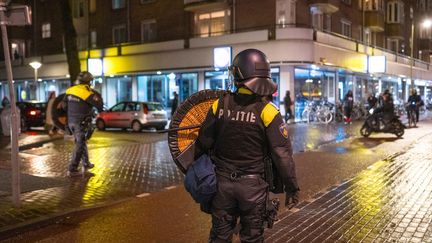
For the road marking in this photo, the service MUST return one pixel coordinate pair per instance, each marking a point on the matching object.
(170, 187)
(143, 195)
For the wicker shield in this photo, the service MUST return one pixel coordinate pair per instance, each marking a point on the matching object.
(59, 115)
(185, 125)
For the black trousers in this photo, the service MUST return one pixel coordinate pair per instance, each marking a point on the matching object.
(80, 152)
(243, 198)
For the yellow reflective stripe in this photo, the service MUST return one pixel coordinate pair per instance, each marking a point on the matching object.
(269, 113)
(81, 91)
(215, 106)
(243, 90)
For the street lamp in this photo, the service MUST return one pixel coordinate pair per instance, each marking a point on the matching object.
(35, 65)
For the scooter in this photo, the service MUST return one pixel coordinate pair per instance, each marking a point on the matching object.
(376, 124)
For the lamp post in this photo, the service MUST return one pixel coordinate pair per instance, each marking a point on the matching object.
(425, 24)
(35, 65)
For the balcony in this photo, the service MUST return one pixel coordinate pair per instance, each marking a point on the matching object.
(197, 5)
(324, 6)
(395, 30)
(375, 21)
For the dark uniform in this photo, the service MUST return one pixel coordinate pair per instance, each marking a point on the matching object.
(414, 101)
(253, 129)
(80, 100)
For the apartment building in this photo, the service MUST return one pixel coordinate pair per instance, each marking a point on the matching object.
(146, 49)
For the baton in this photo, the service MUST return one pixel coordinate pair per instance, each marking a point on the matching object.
(179, 128)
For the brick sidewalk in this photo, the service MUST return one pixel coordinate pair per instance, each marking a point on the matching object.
(391, 201)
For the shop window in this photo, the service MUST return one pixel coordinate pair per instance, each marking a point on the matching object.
(212, 23)
(148, 30)
(118, 89)
(327, 22)
(153, 88)
(346, 28)
(119, 34)
(46, 30)
(217, 80)
(395, 12)
(117, 4)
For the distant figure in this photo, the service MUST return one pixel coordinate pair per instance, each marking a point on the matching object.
(348, 106)
(5, 102)
(49, 124)
(174, 103)
(16, 55)
(372, 101)
(288, 103)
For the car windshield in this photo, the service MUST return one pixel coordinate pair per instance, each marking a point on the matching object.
(154, 107)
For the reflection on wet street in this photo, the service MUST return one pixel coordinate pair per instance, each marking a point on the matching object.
(391, 201)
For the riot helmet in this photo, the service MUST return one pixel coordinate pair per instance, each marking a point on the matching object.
(251, 69)
(84, 78)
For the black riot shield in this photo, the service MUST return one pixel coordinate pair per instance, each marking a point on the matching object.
(58, 112)
(185, 123)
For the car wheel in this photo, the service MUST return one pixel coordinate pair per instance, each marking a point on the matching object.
(160, 128)
(136, 126)
(24, 126)
(100, 124)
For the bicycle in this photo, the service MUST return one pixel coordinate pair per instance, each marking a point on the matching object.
(412, 120)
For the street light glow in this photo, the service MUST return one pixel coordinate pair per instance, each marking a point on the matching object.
(427, 23)
(35, 65)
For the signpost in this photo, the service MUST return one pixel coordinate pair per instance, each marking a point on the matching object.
(15, 16)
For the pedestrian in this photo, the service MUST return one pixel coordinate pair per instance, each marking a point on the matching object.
(239, 132)
(49, 124)
(16, 55)
(415, 102)
(174, 103)
(287, 105)
(80, 100)
(5, 102)
(372, 101)
(348, 106)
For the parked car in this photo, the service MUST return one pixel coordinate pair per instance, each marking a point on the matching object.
(132, 114)
(32, 114)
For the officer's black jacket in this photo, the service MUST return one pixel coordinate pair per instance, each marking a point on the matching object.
(255, 129)
(414, 98)
(80, 99)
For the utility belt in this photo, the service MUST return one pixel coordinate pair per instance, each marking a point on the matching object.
(235, 175)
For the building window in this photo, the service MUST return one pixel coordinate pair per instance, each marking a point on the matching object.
(286, 12)
(393, 45)
(373, 5)
(119, 34)
(78, 8)
(117, 4)
(92, 6)
(46, 30)
(93, 39)
(347, 2)
(395, 12)
(148, 30)
(212, 23)
(147, 1)
(317, 21)
(346, 28)
(327, 22)
(425, 32)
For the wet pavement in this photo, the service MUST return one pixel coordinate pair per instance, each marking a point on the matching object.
(129, 164)
(391, 201)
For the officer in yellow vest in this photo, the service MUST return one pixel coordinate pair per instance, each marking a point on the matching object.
(240, 131)
(80, 100)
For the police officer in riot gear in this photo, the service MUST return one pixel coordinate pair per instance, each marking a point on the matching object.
(80, 100)
(240, 130)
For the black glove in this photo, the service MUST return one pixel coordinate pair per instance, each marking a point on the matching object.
(291, 199)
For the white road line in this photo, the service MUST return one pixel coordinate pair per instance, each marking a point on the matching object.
(170, 187)
(143, 195)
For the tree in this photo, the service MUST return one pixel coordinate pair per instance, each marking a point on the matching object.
(70, 37)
